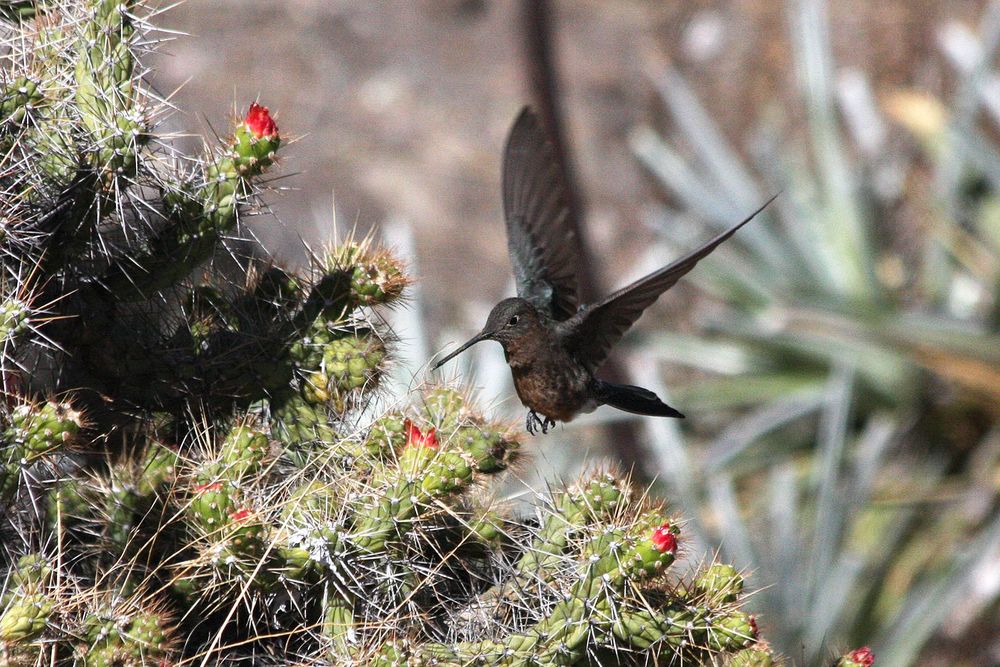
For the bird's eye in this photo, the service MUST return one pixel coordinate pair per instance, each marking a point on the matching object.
(512, 321)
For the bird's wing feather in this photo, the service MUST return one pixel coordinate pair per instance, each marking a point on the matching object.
(540, 238)
(595, 329)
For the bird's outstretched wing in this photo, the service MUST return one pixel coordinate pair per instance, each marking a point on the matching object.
(591, 334)
(540, 239)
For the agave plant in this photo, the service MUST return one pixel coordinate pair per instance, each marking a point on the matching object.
(866, 369)
(821, 286)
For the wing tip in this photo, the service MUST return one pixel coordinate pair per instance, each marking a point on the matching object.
(526, 124)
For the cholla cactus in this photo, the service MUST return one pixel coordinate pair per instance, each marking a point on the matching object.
(197, 471)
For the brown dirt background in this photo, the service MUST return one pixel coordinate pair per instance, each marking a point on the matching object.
(401, 107)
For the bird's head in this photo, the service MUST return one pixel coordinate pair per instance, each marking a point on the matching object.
(509, 320)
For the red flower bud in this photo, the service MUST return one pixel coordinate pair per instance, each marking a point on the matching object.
(260, 123)
(415, 438)
(211, 486)
(240, 515)
(862, 656)
(663, 540)
(754, 631)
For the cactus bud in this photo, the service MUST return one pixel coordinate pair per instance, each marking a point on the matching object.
(416, 438)
(664, 540)
(859, 657)
(486, 446)
(256, 139)
(259, 122)
(376, 275)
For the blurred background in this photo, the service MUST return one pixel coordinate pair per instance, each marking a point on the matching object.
(838, 360)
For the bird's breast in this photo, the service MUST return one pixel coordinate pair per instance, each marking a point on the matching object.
(553, 385)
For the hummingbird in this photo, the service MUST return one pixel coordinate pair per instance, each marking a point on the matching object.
(552, 343)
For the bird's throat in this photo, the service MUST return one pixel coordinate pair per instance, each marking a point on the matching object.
(521, 352)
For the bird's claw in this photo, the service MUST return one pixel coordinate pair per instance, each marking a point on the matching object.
(533, 422)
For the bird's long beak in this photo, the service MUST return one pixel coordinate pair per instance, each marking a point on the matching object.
(482, 335)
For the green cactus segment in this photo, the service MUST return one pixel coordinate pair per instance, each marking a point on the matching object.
(299, 424)
(212, 503)
(579, 622)
(732, 632)
(113, 508)
(313, 540)
(116, 639)
(147, 637)
(752, 657)
(201, 213)
(338, 624)
(424, 474)
(720, 583)
(679, 626)
(15, 320)
(25, 617)
(158, 468)
(488, 527)
(252, 153)
(278, 288)
(21, 10)
(669, 630)
(121, 509)
(348, 365)
(446, 409)
(386, 435)
(104, 90)
(488, 447)
(216, 495)
(245, 534)
(18, 99)
(243, 450)
(597, 499)
(34, 431)
(307, 352)
(376, 276)
(67, 505)
(32, 572)
(353, 362)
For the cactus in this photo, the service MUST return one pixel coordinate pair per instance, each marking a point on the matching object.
(203, 454)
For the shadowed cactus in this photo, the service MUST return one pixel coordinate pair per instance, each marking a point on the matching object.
(197, 471)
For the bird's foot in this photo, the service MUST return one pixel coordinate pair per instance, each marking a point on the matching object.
(533, 422)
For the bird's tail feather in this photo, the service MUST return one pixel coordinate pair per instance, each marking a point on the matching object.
(634, 399)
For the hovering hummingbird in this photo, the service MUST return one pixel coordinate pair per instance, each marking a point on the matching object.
(553, 344)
